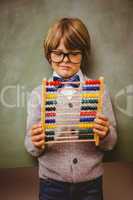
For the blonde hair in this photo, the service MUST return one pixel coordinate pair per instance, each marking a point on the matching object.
(75, 36)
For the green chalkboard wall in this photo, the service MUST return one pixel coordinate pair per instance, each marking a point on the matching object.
(23, 26)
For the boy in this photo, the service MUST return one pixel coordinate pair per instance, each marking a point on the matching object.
(69, 171)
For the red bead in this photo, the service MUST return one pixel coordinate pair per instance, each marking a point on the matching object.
(47, 83)
(87, 113)
(57, 82)
(51, 83)
(50, 114)
(97, 81)
(54, 82)
(87, 82)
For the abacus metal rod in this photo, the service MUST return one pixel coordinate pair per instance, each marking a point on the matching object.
(73, 101)
(77, 82)
(83, 95)
(62, 132)
(68, 120)
(73, 113)
(75, 131)
(78, 89)
(68, 137)
(68, 82)
(73, 119)
(68, 125)
(67, 141)
(94, 104)
(64, 113)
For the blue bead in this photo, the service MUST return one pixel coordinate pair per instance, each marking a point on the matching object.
(91, 88)
(87, 119)
(50, 121)
(50, 89)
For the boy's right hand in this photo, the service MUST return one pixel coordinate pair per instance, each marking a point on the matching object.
(37, 136)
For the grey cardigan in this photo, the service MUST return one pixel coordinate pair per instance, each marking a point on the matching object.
(69, 162)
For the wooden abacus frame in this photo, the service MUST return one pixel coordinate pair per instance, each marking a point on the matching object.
(46, 96)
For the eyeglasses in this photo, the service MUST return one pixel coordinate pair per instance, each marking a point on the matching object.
(73, 56)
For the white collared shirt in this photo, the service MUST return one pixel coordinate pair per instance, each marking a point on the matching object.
(72, 90)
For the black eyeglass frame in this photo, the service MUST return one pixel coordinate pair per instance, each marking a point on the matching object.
(66, 54)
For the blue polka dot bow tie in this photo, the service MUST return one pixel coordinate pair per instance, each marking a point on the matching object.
(72, 79)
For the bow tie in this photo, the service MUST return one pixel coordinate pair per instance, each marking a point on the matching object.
(72, 79)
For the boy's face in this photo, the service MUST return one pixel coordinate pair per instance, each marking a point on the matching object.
(65, 68)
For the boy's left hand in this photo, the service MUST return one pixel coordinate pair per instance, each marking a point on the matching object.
(101, 125)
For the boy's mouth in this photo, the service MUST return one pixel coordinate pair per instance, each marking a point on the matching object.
(65, 67)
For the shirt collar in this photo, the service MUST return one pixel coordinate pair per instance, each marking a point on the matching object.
(78, 73)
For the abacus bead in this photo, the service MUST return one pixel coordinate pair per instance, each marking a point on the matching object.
(95, 107)
(52, 108)
(48, 89)
(47, 108)
(48, 114)
(57, 83)
(82, 101)
(83, 137)
(92, 101)
(90, 130)
(86, 137)
(47, 103)
(82, 119)
(46, 121)
(49, 138)
(50, 120)
(55, 102)
(53, 120)
(49, 133)
(54, 83)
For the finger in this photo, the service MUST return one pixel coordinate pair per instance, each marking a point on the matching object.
(36, 131)
(101, 128)
(36, 126)
(39, 144)
(101, 116)
(38, 138)
(100, 133)
(100, 121)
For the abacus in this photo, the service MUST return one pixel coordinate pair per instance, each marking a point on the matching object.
(91, 94)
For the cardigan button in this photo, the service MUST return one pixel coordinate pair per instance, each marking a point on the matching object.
(70, 105)
(75, 160)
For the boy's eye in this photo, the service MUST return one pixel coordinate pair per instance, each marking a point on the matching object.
(75, 53)
(57, 52)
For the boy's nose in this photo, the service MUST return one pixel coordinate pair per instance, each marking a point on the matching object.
(66, 59)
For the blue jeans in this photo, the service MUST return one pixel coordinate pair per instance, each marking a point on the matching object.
(57, 190)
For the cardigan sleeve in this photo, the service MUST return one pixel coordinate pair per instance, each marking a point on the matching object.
(33, 117)
(110, 140)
